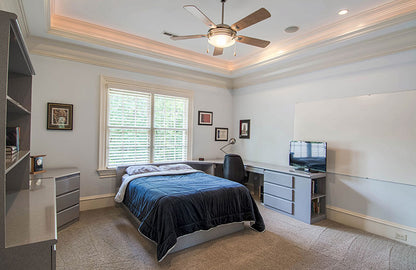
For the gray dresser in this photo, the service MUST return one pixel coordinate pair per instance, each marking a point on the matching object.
(67, 182)
(296, 194)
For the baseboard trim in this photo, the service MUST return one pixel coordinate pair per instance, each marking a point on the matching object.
(370, 224)
(96, 201)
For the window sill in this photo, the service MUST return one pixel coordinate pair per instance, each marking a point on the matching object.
(106, 173)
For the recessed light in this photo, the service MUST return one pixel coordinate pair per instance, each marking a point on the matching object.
(343, 11)
(291, 29)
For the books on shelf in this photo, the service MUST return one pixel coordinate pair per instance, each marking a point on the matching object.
(314, 187)
(13, 137)
(10, 149)
(316, 207)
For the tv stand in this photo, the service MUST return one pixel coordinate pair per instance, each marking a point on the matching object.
(296, 193)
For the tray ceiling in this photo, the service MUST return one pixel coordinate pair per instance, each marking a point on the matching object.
(138, 26)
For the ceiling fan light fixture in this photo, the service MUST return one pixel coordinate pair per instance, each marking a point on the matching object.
(221, 37)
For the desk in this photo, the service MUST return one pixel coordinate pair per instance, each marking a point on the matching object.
(297, 194)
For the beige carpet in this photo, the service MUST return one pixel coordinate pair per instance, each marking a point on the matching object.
(106, 239)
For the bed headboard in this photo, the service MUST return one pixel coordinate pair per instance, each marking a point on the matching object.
(204, 166)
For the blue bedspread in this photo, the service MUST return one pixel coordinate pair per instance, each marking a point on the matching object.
(175, 205)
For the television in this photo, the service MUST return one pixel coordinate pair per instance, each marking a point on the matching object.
(308, 156)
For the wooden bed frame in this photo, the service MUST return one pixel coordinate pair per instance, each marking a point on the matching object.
(194, 238)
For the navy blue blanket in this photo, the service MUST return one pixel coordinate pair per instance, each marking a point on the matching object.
(174, 205)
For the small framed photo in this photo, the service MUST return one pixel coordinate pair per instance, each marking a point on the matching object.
(221, 134)
(205, 118)
(59, 116)
(244, 129)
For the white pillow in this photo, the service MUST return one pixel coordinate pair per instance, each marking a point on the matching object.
(175, 167)
(138, 169)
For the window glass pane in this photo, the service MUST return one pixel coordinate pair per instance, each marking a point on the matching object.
(170, 112)
(128, 146)
(129, 108)
(170, 145)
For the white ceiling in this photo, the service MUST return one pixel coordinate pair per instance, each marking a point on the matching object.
(149, 19)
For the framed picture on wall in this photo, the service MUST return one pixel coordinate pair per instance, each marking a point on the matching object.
(244, 129)
(221, 134)
(59, 116)
(205, 118)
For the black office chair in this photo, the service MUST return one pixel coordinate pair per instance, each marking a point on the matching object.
(234, 169)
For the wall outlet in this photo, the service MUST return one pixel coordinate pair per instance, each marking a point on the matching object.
(400, 236)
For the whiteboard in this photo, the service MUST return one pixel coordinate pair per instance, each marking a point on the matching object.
(371, 136)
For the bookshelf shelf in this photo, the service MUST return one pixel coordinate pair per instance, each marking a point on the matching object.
(317, 195)
(15, 107)
(10, 164)
(317, 217)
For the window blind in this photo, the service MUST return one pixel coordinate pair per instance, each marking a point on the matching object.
(170, 128)
(129, 116)
(134, 135)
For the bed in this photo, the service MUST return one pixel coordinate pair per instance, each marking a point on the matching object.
(174, 201)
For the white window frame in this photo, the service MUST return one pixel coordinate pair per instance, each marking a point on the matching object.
(110, 82)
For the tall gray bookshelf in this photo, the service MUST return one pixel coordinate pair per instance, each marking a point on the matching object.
(27, 208)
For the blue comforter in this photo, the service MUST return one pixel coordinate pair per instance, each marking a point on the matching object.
(175, 205)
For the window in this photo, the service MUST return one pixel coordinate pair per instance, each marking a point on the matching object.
(142, 123)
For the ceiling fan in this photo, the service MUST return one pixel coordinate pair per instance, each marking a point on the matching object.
(222, 35)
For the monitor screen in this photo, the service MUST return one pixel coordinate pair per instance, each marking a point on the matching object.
(308, 155)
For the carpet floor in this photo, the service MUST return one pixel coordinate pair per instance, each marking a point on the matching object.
(106, 239)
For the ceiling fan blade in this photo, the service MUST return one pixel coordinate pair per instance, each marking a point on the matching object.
(255, 17)
(253, 41)
(200, 15)
(218, 51)
(186, 37)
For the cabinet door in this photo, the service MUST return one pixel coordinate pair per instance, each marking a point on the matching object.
(303, 199)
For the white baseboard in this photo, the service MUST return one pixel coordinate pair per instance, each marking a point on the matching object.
(96, 201)
(374, 225)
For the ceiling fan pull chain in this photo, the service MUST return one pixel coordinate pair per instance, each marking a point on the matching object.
(222, 16)
(235, 49)
(207, 47)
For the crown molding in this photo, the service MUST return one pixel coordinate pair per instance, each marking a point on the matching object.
(290, 65)
(380, 17)
(348, 28)
(78, 53)
(96, 34)
(386, 44)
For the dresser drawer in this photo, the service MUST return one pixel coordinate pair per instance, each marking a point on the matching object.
(67, 215)
(280, 204)
(278, 191)
(279, 178)
(66, 184)
(67, 200)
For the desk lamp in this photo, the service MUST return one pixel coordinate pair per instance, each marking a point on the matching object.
(231, 141)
